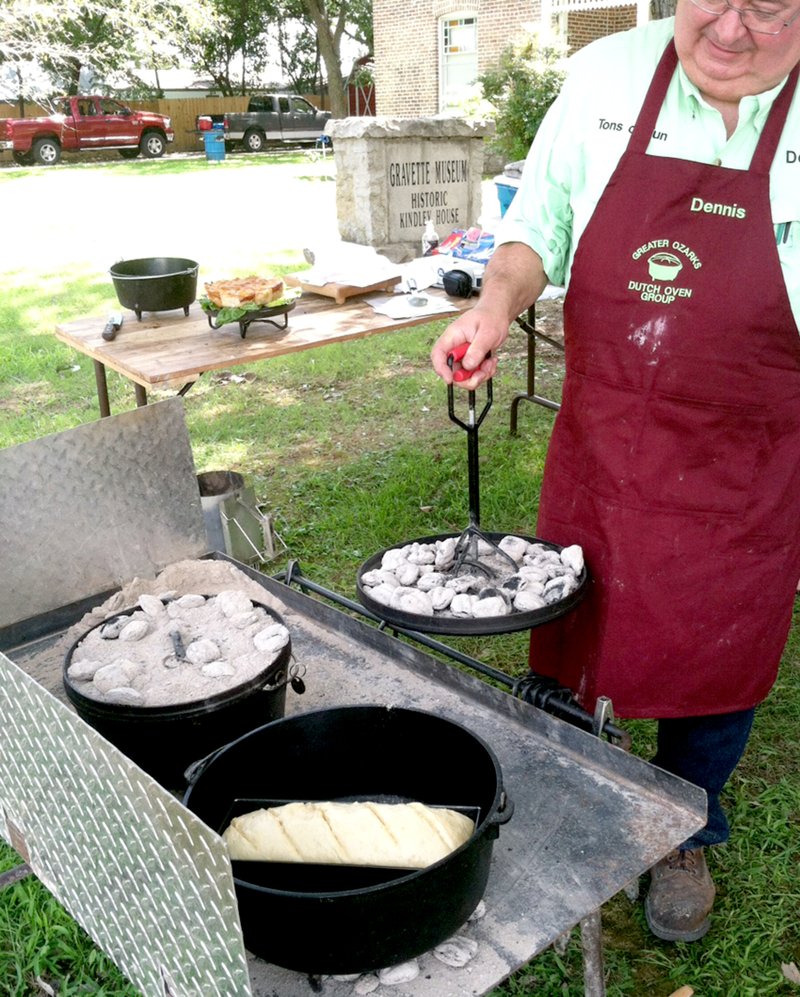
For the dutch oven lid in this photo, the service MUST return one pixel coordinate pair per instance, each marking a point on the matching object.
(456, 626)
(274, 675)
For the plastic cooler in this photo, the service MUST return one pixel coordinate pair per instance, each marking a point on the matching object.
(506, 189)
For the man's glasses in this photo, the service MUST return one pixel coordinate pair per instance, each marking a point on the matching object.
(762, 22)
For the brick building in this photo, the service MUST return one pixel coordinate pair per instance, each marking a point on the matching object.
(429, 52)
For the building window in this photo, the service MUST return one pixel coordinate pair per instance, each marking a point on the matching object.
(458, 59)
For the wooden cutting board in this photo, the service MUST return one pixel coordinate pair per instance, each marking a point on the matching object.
(341, 292)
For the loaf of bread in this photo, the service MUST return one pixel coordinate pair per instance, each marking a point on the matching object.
(390, 835)
(243, 291)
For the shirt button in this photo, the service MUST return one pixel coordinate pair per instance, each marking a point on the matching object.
(717, 162)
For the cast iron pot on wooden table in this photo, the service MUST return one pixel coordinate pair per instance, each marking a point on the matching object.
(155, 284)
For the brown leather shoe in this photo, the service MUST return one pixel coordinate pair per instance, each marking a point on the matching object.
(681, 896)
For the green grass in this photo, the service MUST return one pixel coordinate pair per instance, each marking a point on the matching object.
(170, 165)
(350, 448)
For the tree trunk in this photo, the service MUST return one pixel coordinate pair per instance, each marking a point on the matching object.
(662, 8)
(21, 98)
(329, 39)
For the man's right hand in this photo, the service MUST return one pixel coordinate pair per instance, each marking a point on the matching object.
(513, 280)
(485, 332)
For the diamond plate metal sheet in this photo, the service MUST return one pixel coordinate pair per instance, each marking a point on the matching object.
(149, 882)
(87, 509)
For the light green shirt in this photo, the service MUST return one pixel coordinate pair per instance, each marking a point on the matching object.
(587, 129)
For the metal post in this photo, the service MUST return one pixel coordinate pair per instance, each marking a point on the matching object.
(528, 326)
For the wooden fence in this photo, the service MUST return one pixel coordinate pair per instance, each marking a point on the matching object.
(183, 112)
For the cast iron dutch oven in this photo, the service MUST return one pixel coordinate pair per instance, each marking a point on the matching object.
(155, 284)
(165, 740)
(336, 919)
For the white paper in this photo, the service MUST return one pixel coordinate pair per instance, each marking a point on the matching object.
(419, 274)
(346, 263)
(399, 306)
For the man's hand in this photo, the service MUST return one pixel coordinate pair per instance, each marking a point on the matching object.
(484, 332)
(513, 280)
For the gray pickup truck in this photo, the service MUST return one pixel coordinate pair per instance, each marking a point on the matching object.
(270, 118)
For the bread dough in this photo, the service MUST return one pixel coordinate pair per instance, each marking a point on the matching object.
(390, 835)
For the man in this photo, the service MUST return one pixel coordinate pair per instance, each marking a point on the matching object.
(663, 189)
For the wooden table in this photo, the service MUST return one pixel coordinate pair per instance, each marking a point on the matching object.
(171, 349)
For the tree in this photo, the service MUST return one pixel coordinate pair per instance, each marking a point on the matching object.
(54, 46)
(313, 30)
(227, 40)
(521, 89)
(329, 21)
(299, 55)
(46, 46)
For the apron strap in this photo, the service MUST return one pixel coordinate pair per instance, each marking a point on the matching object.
(646, 122)
(770, 136)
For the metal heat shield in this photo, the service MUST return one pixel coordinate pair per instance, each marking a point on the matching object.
(87, 509)
(82, 512)
(148, 881)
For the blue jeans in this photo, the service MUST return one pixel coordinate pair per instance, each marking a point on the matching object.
(705, 751)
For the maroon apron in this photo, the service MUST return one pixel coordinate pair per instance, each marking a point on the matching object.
(675, 458)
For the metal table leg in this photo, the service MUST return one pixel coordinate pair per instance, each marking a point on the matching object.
(101, 381)
(141, 393)
(528, 325)
(102, 388)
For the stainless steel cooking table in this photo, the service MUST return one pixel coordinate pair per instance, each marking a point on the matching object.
(144, 877)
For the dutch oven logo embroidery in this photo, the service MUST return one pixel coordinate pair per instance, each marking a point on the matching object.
(664, 266)
(665, 260)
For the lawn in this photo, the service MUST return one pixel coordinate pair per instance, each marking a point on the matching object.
(350, 448)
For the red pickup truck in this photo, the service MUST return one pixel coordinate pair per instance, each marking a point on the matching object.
(80, 124)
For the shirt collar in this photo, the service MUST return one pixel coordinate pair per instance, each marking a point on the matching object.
(754, 107)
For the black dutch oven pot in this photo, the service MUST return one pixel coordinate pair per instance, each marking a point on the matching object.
(165, 740)
(155, 284)
(335, 919)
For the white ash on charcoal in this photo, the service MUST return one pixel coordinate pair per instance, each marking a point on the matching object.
(479, 913)
(404, 972)
(366, 985)
(170, 650)
(424, 579)
(456, 951)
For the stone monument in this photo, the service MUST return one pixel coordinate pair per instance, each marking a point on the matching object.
(393, 174)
